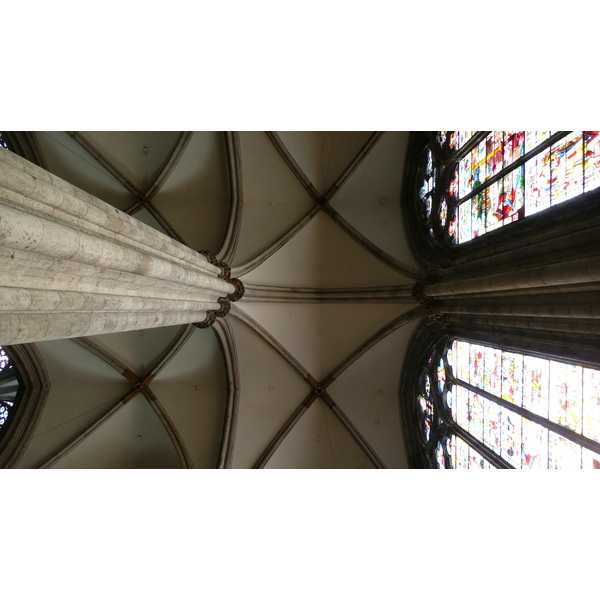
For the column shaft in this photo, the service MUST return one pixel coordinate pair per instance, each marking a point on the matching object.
(72, 265)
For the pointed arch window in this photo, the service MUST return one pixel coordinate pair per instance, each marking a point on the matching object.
(480, 406)
(471, 183)
(9, 386)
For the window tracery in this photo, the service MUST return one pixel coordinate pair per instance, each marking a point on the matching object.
(480, 406)
(472, 183)
(9, 387)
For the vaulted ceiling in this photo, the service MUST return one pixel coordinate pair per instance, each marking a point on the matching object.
(304, 372)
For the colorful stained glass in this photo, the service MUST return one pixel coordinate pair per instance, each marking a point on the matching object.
(494, 203)
(476, 461)
(427, 407)
(567, 394)
(494, 153)
(8, 387)
(427, 188)
(439, 457)
(512, 377)
(536, 385)
(464, 137)
(478, 164)
(590, 460)
(454, 140)
(566, 382)
(465, 457)
(479, 208)
(492, 381)
(427, 414)
(3, 359)
(460, 410)
(511, 437)
(511, 197)
(492, 424)
(537, 183)
(460, 453)
(450, 354)
(453, 185)
(591, 404)
(441, 375)
(534, 138)
(554, 175)
(465, 181)
(592, 160)
(534, 446)
(443, 212)
(476, 365)
(563, 453)
(452, 225)
(462, 352)
(566, 167)
(514, 146)
(464, 222)
(476, 415)
(449, 399)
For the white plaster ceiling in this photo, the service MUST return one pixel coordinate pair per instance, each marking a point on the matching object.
(180, 383)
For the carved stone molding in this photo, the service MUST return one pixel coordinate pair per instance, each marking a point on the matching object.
(224, 303)
(433, 272)
(418, 292)
(441, 318)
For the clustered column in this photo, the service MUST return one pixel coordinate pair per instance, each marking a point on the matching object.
(549, 281)
(72, 265)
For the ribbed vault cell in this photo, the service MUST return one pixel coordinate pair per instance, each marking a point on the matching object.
(271, 389)
(274, 199)
(134, 438)
(84, 387)
(370, 200)
(320, 336)
(323, 256)
(323, 155)
(368, 393)
(192, 388)
(319, 441)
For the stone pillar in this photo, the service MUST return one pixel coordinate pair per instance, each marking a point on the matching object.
(567, 273)
(72, 265)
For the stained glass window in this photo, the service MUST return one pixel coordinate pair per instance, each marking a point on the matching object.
(9, 386)
(427, 190)
(495, 408)
(487, 180)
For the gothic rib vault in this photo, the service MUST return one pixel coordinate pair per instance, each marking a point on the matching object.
(305, 369)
